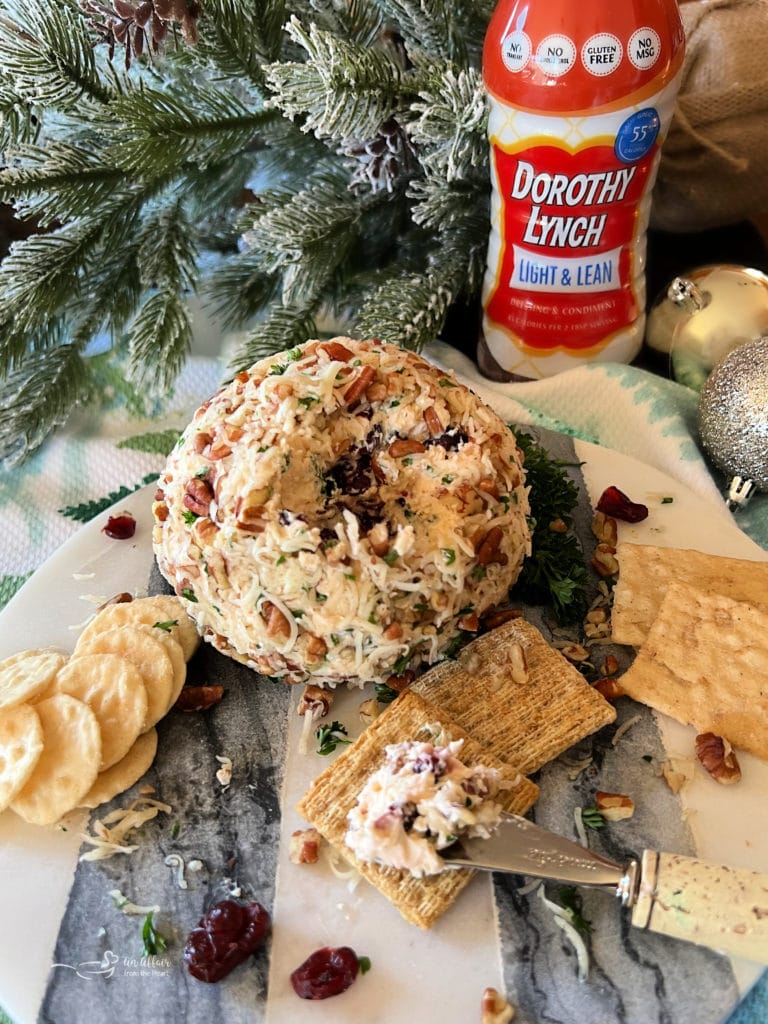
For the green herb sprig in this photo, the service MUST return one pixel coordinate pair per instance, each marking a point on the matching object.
(555, 573)
(153, 942)
(592, 817)
(330, 736)
(571, 900)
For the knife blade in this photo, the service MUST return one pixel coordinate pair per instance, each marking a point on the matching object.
(685, 898)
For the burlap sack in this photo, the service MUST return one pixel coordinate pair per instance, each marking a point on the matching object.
(714, 161)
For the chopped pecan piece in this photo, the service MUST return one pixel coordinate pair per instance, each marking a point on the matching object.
(605, 529)
(498, 618)
(402, 447)
(609, 689)
(470, 622)
(610, 665)
(198, 495)
(614, 806)
(359, 385)
(402, 681)
(201, 441)
(315, 700)
(199, 698)
(488, 548)
(378, 538)
(495, 1008)
(122, 598)
(277, 624)
(335, 351)
(604, 560)
(369, 710)
(489, 486)
(718, 757)
(377, 392)
(160, 511)
(304, 846)
(433, 422)
(518, 663)
(317, 648)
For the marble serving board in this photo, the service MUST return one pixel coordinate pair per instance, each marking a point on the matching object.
(494, 935)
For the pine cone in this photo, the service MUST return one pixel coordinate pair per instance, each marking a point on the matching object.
(141, 24)
(382, 159)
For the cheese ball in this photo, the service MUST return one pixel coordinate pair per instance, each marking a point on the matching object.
(340, 512)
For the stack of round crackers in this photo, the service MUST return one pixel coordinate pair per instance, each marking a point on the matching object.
(76, 731)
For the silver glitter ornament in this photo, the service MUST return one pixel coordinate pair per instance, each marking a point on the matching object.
(706, 313)
(733, 419)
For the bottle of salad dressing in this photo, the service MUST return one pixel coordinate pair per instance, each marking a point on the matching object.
(581, 95)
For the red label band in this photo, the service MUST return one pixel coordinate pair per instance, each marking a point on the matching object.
(569, 226)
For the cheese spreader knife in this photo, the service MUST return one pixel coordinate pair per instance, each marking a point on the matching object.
(723, 908)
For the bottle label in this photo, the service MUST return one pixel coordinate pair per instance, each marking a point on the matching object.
(568, 227)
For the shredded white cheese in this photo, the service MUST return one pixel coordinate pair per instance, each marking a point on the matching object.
(128, 907)
(624, 727)
(109, 841)
(581, 832)
(176, 861)
(562, 917)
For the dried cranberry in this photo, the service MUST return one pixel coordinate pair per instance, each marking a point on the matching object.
(120, 527)
(227, 934)
(614, 502)
(327, 972)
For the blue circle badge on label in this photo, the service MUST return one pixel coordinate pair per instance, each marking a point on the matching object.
(637, 135)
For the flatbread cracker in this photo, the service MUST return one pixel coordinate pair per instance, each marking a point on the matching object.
(27, 675)
(68, 764)
(21, 744)
(334, 793)
(148, 654)
(527, 724)
(705, 663)
(125, 773)
(159, 608)
(645, 572)
(113, 688)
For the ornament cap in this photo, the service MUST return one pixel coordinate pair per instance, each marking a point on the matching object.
(740, 492)
(683, 292)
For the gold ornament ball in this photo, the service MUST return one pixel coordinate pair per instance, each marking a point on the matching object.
(706, 313)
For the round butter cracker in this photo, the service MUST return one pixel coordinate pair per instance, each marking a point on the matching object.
(125, 773)
(21, 744)
(147, 653)
(113, 688)
(27, 675)
(68, 764)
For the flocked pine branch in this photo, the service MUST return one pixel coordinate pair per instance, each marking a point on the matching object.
(306, 164)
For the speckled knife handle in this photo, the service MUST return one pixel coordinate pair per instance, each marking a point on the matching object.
(723, 908)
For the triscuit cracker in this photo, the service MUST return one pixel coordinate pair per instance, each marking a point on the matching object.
(334, 793)
(68, 764)
(160, 610)
(645, 572)
(125, 773)
(21, 744)
(113, 688)
(705, 663)
(27, 675)
(148, 654)
(526, 723)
